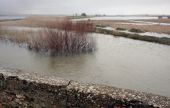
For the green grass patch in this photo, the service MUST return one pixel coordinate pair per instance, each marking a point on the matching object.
(103, 31)
(100, 25)
(162, 40)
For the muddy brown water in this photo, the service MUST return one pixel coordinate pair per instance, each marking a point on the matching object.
(119, 62)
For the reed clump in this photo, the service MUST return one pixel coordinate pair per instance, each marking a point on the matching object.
(19, 37)
(64, 38)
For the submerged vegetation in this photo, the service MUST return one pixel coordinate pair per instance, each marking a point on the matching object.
(57, 38)
(68, 38)
(161, 40)
(19, 37)
(72, 38)
(63, 37)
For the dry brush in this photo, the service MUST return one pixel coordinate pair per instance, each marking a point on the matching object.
(65, 37)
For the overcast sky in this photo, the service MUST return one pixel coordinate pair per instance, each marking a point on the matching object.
(112, 7)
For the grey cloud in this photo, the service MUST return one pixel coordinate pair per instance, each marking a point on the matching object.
(88, 6)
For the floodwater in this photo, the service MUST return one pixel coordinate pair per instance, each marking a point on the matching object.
(134, 20)
(145, 23)
(154, 34)
(118, 18)
(119, 62)
(22, 28)
(10, 17)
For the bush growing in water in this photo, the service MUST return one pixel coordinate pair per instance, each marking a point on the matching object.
(68, 38)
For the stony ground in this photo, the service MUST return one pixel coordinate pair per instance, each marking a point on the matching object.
(19, 89)
(16, 93)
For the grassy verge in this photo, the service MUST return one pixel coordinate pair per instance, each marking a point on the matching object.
(103, 31)
(160, 40)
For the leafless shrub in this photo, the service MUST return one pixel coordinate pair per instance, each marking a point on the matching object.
(64, 37)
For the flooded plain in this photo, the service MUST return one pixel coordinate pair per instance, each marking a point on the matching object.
(118, 18)
(22, 28)
(117, 62)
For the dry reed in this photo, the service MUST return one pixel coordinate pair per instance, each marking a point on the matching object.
(64, 38)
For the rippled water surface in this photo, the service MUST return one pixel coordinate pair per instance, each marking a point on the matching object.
(117, 62)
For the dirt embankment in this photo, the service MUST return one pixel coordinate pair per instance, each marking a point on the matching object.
(23, 89)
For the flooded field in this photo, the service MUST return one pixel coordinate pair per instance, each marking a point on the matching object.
(148, 23)
(117, 62)
(119, 18)
(114, 54)
(22, 28)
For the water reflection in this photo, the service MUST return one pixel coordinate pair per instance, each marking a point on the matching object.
(117, 62)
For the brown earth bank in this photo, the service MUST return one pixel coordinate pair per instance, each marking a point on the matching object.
(19, 89)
